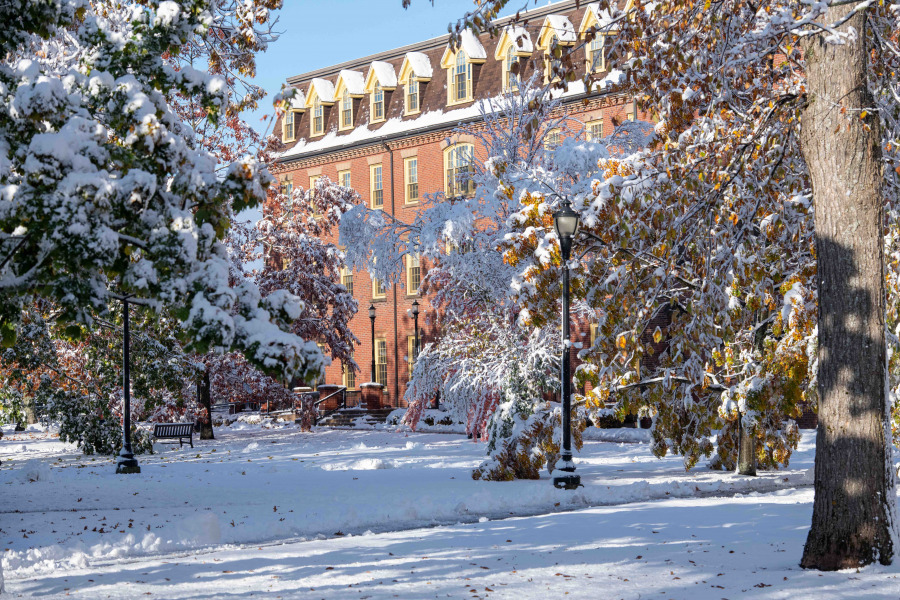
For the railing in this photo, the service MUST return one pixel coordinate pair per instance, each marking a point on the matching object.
(342, 391)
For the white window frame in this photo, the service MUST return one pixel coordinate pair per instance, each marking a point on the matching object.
(376, 176)
(378, 104)
(346, 109)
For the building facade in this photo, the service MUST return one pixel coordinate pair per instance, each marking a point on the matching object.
(384, 125)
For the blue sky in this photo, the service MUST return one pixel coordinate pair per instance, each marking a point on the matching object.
(319, 33)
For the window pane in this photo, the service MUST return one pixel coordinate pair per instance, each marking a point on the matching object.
(377, 189)
(347, 280)
(413, 274)
(381, 361)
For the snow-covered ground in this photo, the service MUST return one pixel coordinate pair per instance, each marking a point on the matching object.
(353, 514)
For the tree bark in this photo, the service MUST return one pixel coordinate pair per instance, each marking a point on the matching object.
(853, 509)
(206, 426)
(746, 458)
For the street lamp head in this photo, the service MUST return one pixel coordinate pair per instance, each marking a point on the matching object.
(566, 221)
(372, 311)
(415, 308)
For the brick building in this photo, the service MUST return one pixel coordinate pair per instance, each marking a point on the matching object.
(383, 124)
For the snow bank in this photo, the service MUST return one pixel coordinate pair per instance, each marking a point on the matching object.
(619, 434)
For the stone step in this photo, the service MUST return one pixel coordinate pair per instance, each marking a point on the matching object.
(346, 417)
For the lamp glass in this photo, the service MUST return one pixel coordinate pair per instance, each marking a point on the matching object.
(415, 307)
(565, 222)
(371, 311)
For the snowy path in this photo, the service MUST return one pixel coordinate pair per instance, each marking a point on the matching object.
(711, 548)
(62, 512)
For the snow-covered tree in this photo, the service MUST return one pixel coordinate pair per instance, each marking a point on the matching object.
(105, 194)
(293, 243)
(763, 108)
(489, 367)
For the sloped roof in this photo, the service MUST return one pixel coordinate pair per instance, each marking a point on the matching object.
(383, 72)
(322, 88)
(419, 63)
(354, 81)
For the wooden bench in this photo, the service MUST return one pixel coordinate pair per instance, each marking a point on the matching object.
(175, 431)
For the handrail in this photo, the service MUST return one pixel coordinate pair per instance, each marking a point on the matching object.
(343, 404)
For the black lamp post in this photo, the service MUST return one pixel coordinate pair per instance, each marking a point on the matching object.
(415, 315)
(127, 462)
(372, 318)
(565, 222)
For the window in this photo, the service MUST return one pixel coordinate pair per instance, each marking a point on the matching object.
(349, 376)
(412, 351)
(377, 185)
(344, 178)
(594, 129)
(458, 167)
(595, 54)
(312, 194)
(631, 111)
(460, 76)
(381, 362)
(377, 104)
(510, 70)
(346, 111)
(413, 274)
(377, 289)
(287, 126)
(287, 188)
(412, 96)
(317, 123)
(554, 63)
(347, 279)
(411, 176)
(552, 139)
(593, 333)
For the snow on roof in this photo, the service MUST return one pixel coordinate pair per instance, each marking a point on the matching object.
(520, 38)
(363, 134)
(324, 89)
(603, 17)
(420, 64)
(385, 73)
(354, 81)
(471, 45)
(563, 27)
(298, 102)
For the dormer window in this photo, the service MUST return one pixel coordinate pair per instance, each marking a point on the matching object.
(319, 95)
(556, 33)
(461, 79)
(346, 110)
(378, 104)
(597, 29)
(412, 96)
(513, 45)
(287, 126)
(458, 64)
(414, 73)
(317, 123)
(554, 59)
(511, 70)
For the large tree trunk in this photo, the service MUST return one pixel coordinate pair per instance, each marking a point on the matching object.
(206, 426)
(746, 458)
(854, 494)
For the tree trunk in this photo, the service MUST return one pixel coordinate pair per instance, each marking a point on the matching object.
(206, 426)
(853, 510)
(746, 458)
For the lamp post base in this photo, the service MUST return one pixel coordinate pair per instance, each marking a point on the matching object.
(569, 481)
(127, 465)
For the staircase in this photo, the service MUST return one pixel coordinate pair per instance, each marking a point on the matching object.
(345, 418)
